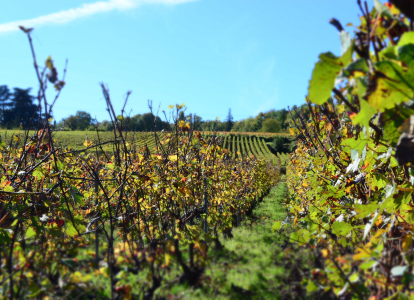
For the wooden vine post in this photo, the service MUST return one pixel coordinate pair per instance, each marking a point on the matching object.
(96, 231)
(205, 205)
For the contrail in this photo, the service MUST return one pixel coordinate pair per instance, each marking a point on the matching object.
(83, 11)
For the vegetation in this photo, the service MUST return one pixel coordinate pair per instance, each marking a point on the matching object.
(152, 214)
(351, 177)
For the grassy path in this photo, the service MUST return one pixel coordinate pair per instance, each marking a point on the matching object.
(252, 265)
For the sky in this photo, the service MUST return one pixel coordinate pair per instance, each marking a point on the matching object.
(213, 55)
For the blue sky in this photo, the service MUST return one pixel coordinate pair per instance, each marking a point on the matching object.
(250, 56)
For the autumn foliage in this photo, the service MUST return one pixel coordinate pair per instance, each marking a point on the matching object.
(352, 178)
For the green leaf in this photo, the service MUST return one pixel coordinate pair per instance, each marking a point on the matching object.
(56, 231)
(406, 39)
(388, 53)
(341, 228)
(393, 120)
(294, 236)
(390, 86)
(76, 195)
(378, 181)
(367, 265)
(4, 236)
(364, 115)
(8, 188)
(38, 174)
(69, 262)
(60, 165)
(356, 144)
(323, 77)
(276, 226)
(70, 230)
(35, 289)
(406, 52)
(30, 233)
(311, 287)
(364, 210)
(361, 87)
(353, 277)
(359, 65)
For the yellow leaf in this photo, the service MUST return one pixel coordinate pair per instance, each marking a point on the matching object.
(172, 158)
(167, 259)
(49, 63)
(305, 184)
(379, 221)
(362, 253)
(87, 142)
(407, 242)
(325, 253)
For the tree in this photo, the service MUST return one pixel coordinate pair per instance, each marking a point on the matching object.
(106, 126)
(229, 121)
(83, 120)
(4, 97)
(197, 123)
(258, 120)
(22, 109)
(80, 121)
(282, 116)
(181, 116)
(70, 122)
(271, 125)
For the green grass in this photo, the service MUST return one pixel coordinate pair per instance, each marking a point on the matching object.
(252, 265)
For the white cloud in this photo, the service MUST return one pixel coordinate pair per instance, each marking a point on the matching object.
(83, 11)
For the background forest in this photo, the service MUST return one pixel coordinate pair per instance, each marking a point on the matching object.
(18, 106)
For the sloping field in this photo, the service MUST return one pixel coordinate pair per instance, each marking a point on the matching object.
(244, 144)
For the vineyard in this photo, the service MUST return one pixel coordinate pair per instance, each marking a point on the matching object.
(142, 215)
(244, 144)
(120, 216)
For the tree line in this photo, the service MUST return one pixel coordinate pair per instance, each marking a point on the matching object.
(18, 108)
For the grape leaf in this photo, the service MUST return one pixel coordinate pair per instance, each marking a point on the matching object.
(390, 86)
(324, 74)
(276, 226)
(364, 115)
(341, 228)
